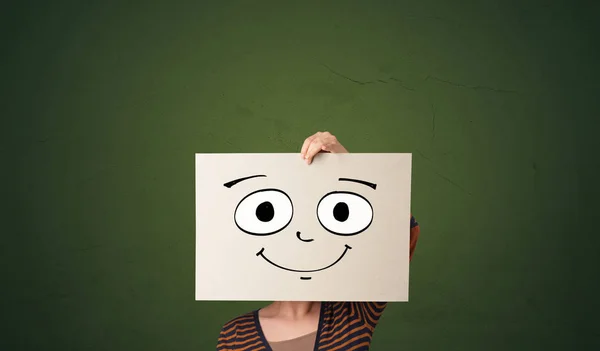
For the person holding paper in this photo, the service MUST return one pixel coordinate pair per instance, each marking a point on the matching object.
(308, 326)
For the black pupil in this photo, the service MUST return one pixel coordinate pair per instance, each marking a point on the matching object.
(341, 212)
(265, 212)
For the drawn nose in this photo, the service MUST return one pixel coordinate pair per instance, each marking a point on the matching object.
(301, 239)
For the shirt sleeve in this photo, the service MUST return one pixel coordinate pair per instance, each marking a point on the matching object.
(414, 236)
(370, 312)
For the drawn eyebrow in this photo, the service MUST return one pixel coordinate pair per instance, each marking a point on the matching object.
(371, 185)
(234, 182)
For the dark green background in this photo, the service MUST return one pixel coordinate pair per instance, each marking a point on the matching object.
(105, 103)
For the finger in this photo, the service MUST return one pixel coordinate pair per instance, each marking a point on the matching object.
(313, 149)
(329, 143)
(306, 144)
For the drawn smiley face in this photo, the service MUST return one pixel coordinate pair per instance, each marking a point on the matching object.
(271, 228)
(270, 211)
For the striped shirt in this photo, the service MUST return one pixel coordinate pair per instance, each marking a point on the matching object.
(343, 326)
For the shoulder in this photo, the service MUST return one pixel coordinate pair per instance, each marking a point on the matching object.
(351, 322)
(243, 321)
(237, 333)
(340, 312)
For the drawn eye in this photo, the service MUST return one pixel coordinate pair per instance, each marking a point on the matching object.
(344, 213)
(264, 212)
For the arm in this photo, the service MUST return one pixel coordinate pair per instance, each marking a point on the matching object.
(414, 236)
(370, 312)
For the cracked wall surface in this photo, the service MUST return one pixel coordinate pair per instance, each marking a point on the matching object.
(104, 105)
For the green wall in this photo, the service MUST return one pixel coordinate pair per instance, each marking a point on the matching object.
(104, 105)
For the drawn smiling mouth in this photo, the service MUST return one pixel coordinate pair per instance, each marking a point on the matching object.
(261, 254)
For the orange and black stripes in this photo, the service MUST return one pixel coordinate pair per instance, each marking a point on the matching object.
(343, 326)
(241, 334)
